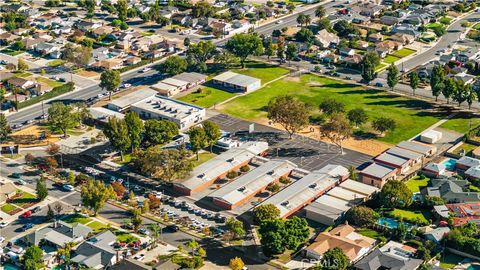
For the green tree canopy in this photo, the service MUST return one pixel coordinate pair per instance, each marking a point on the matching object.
(357, 116)
(383, 124)
(212, 133)
(334, 259)
(159, 131)
(244, 45)
(198, 139)
(110, 80)
(95, 193)
(61, 118)
(4, 128)
(173, 65)
(289, 112)
(116, 131)
(265, 212)
(395, 194)
(362, 216)
(41, 188)
(330, 106)
(392, 76)
(32, 259)
(134, 128)
(414, 80)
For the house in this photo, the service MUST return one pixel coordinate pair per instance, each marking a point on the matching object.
(353, 244)
(132, 264)
(182, 19)
(404, 39)
(406, 29)
(58, 234)
(392, 255)
(375, 37)
(451, 190)
(45, 48)
(352, 60)
(40, 89)
(237, 24)
(115, 63)
(31, 43)
(389, 20)
(238, 82)
(132, 60)
(101, 31)
(460, 213)
(220, 27)
(21, 31)
(466, 162)
(5, 75)
(436, 235)
(6, 38)
(21, 83)
(7, 191)
(389, 45)
(377, 174)
(434, 169)
(346, 52)
(466, 55)
(97, 252)
(327, 39)
(368, 9)
(87, 26)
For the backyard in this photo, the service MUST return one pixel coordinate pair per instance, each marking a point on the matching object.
(410, 216)
(416, 183)
(411, 116)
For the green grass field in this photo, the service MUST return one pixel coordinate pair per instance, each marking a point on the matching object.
(262, 71)
(125, 237)
(433, 25)
(403, 52)
(202, 158)
(207, 97)
(411, 116)
(49, 82)
(11, 52)
(97, 226)
(21, 74)
(468, 148)
(406, 214)
(450, 260)
(26, 198)
(461, 123)
(369, 233)
(390, 59)
(380, 67)
(476, 26)
(76, 218)
(7, 208)
(56, 63)
(416, 183)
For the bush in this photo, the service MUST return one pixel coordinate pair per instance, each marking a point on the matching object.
(232, 174)
(285, 180)
(273, 188)
(244, 168)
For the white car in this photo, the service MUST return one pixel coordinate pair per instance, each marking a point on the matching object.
(126, 85)
(147, 69)
(279, 22)
(68, 187)
(2, 239)
(4, 224)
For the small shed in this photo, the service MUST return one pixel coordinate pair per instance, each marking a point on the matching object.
(431, 136)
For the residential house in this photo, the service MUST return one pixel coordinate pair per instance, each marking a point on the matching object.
(6, 38)
(466, 162)
(220, 27)
(97, 252)
(5, 75)
(31, 43)
(58, 234)
(406, 29)
(460, 213)
(466, 55)
(346, 52)
(377, 174)
(115, 63)
(20, 83)
(434, 169)
(45, 48)
(352, 60)
(388, 45)
(368, 9)
(436, 235)
(87, 26)
(237, 24)
(452, 190)
(353, 244)
(392, 255)
(376, 37)
(21, 31)
(7, 191)
(102, 31)
(389, 20)
(404, 39)
(40, 89)
(327, 39)
(132, 60)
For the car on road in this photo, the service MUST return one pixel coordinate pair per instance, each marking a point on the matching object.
(279, 22)
(4, 224)
(36, 209)
(147, 69)
(172, 228)
(62, 80)
(379, 84)
(20, 182)
(139, 257)
(348, 78)
(16, 175)
(68, 187)
(2, 239)
(126, 85)
(27, 214)
(27, 226)
(17, 126)
(143, 231)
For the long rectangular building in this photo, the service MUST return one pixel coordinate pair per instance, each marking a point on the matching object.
(207, 173)
(306, 189)
(248, 185)
(238, 82)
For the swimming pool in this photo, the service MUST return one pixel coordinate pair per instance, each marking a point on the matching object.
(450, 164)
(10, 267)
(391, 223)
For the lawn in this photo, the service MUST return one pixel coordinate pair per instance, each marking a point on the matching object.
(411, 116)
(262, 71)
(125, 237)
(55, 63)
(369, 233)
(390, 59)
(410, 215)
(76, 218)
(22, 74)
(7, 208)
(416, 183)
(404, 52)
(380, 67)
(26, 198)
(476, 26)
(97, 226)
(461, 123)
(207, 97)
(202, 158)
(126, 159)
(11, 52)
(450, 260)
(468, 148)
(433, 25)
(49, 82)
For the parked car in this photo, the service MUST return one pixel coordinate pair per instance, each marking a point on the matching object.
(143, 231)
(4, 224)
(36, 209)
(27, 214)
(147, 69)
(68, 187)
(172, 228)
(15, 175)
(379, 84)
(20, 182)
(126, 85)
(2, 239)
(27, 226)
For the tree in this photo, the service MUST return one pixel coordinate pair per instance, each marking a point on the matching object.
(41, 188)
(392, 76)
(301, 19)
(450, 87)
(304, 35)
(212, 133)
(461, 92)
(58, 208)
(65, 252)
(291, 52)
(146, 206)
(165, 164)
(61, 118)
(281, 48)
(116, 131)
(278, 235)
(187, 42)
(198, 139)
(383, 124)
(437, 78)
(330, 106)
(159, 131)
(193, 245)
(4, 128)
(156, 231)
(236, 227)
(368, 65)
(29, 158)
(395, 194)
(51, 163)
(122, 9)
(344, 28)
(362, 216)
(32, 259)
(202, 51)
(320, 12)
(95, 193)
(471, 96)
(236, 264)
(79, 55)
(50, 213)
(289, 112)
(244, 45)
(226, 59)
(136, 219)
(265, 212)
(337, 130)
(357, 116)
(414, 80)
(202, 9)
(334, 259)
(290, 7)
(135, 128)
(118, 188)
(173, 65)
(110, 80)
(269, 50)
(21, 65)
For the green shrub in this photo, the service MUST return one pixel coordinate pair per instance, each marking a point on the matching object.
(244, 168)
(273, 188)
(232, 174)
(285, 180)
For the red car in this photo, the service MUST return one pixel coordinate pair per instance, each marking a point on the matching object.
(27, 214)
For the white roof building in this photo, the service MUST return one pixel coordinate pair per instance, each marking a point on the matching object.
(123, 103)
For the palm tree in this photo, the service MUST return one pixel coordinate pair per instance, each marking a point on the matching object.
(156, 231)
(320, 12)
(301, 19)
(308, 20)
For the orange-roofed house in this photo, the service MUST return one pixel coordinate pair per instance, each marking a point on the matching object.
(353, 244)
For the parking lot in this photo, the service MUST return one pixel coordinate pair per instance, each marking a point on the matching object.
(307, 153)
